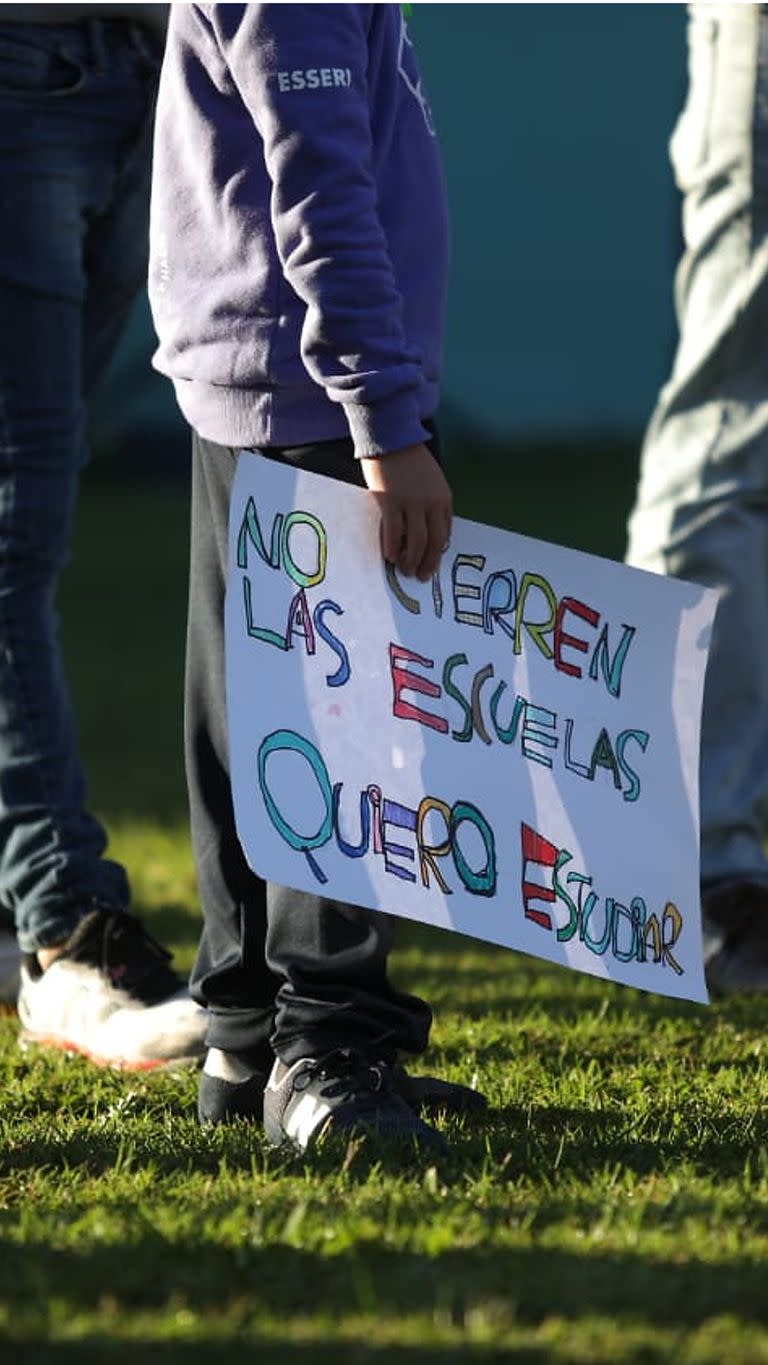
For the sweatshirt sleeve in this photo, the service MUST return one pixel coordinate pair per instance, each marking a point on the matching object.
(302, 72)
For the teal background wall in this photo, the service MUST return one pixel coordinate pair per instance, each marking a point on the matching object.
(554, 122)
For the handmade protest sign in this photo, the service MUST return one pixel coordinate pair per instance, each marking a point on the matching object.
(510, 750)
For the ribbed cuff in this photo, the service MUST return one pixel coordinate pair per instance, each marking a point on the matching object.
(380, 428)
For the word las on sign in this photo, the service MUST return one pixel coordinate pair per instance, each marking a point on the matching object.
(464, 705)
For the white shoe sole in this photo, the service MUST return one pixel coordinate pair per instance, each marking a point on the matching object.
(28, 1041)
(74, 1008)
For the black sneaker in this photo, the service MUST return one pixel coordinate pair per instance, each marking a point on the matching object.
(231, 1087)
(112, 996)
(341, 1093)
(431, 1096)
(10, 966)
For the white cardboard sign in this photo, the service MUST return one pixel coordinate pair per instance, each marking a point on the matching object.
(510, 750)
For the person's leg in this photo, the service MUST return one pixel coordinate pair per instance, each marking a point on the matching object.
(73, 104)
(702, 505)
(300, 971)
(230, 976)
(116, 243)
(281, 972)
(51, 847)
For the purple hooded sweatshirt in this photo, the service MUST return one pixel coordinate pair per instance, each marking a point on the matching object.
(299, 227)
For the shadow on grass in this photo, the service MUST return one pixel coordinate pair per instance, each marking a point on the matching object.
(548, 1144)
(524, 1285)
(203, 1349)
(558, 1141)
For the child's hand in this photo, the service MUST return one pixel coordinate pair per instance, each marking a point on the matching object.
(416, 508)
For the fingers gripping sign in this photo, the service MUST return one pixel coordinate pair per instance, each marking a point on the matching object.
(416, 508)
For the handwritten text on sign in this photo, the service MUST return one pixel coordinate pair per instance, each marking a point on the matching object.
(510, 750)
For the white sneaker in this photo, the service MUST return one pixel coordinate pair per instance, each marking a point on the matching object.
(10, 962)
(111, 996)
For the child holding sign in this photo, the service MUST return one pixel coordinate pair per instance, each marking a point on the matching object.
(299, 254)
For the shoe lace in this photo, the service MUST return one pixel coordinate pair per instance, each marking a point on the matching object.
(348, 1075)
(143, 964)
(128, 955)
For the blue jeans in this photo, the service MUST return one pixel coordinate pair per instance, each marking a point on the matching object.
(76, 105)
(702, 504)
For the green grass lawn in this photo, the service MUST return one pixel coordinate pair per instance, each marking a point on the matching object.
(613, 1208)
